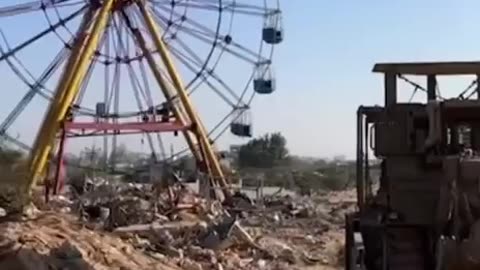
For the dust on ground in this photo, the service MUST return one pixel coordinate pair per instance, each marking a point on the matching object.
(132, 227)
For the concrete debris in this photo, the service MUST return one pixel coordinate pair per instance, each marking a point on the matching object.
(126, 226)
(177, 226)
(57, 241)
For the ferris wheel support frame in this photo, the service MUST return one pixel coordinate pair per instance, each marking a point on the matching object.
(88, 38)
(68, 88)
(211, 159)
(167, 92)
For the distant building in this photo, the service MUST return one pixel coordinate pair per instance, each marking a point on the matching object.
(235, 148)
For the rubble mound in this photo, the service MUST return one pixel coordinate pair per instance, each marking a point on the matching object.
(129, 226)
(57, 241)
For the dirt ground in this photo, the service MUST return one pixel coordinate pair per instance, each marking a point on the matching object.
(288, 233)
(56, 241)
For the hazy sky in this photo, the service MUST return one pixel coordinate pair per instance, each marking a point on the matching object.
(324, 65)
(323, 68)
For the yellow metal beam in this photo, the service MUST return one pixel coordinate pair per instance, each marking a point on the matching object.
(75, 54)
(66, 92)
(167, 92)
(199, 129)
(78, 46)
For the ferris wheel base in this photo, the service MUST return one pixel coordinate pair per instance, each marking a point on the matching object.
(91, 128)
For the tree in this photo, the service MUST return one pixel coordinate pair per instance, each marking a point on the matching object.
(9, 156)
(267, 151)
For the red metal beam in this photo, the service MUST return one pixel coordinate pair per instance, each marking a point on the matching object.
(79, 134)
(128, 126)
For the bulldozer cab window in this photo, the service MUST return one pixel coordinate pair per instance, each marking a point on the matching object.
(458, 139)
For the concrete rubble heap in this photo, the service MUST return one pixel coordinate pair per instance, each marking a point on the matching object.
(128, 226)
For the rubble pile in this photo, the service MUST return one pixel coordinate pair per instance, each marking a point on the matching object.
(309, 230)
(175, 227)
(57, 241)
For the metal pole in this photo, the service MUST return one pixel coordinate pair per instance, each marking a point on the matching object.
(178, 112)
(431, 87)
(360, 162)
(390, 89)
(77, 48)
(66, 93)
(198, 126)
(475, 128)
(58, 184)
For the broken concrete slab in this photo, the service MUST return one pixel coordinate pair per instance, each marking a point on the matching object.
(170, 226)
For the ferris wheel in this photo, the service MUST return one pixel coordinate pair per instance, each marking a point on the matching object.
(164, 70)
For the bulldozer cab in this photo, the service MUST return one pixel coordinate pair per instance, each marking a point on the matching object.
(427, 151)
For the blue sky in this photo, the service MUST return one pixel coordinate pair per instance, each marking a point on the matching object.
(323, 67)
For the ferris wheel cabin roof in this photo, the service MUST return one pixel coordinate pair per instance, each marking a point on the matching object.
(430, 68)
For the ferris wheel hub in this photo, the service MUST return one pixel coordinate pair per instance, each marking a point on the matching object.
(118, 5)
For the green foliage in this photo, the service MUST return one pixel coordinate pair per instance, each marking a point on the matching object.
(267, 158)
(267, 151)
(9, 156)
(304, 175)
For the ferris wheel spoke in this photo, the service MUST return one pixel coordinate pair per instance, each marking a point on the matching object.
(197, 33)
(114, 89)
(118, 40)
(226, 127)
(146, 85)
(150, 103)
(193, 56)
(40, 35)
(137, 92)
(83, 88)
(132, 77)
(41, 90)
(193, 65)
(57, 9)
(211, 40)
(85, 84)
(16, 142)
(231, 6)
(21, 75)
(34, 89)
(136, 85)
(106, 73)
(222, 126)
(202, 29)
(225, 40)
(221, 41)
(189, 66)
(93, 63)
(114, 86)
(12, 10)
(172, 6)
(174, 32)
(173, 17)
(136, 88)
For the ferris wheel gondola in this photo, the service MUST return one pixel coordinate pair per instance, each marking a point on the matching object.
(157, 62)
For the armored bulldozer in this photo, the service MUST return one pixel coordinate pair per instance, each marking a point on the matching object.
(424, 211)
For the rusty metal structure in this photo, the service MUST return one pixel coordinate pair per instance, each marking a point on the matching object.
(152, 43)
(426, 206)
